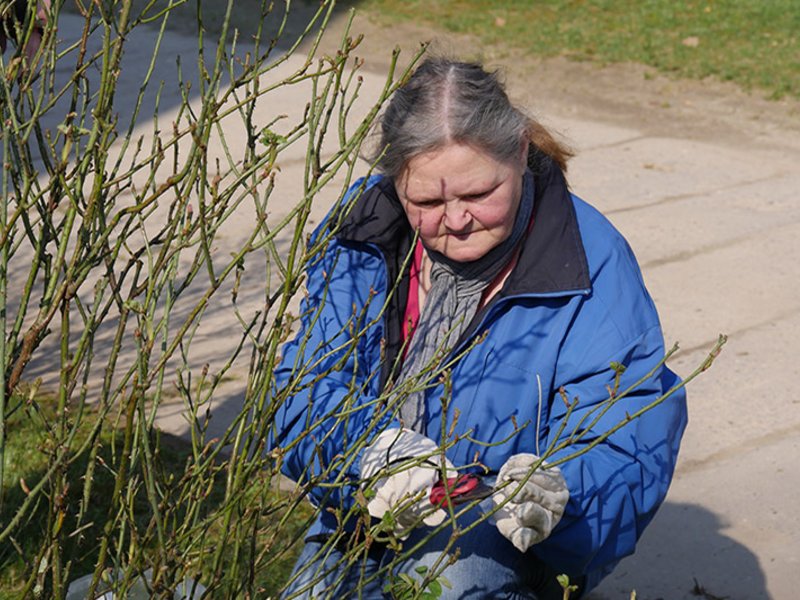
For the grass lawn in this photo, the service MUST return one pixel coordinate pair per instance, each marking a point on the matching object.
(755, 43)
(28, 445)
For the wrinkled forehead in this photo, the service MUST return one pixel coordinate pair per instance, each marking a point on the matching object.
(453, 169)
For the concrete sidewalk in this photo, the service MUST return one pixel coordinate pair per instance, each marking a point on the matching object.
(716, 231)
(715, 224)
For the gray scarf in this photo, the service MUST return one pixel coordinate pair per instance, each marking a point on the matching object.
(451, 304)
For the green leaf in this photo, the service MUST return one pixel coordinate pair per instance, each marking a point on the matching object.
(270, 138)
(387, 521)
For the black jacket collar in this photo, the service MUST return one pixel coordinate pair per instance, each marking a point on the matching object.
(552, 261)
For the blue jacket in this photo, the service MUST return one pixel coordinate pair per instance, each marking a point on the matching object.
(573, 309)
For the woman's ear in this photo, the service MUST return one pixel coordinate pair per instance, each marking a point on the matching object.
(523, 153)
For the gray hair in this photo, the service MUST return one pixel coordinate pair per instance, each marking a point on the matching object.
(448, 101)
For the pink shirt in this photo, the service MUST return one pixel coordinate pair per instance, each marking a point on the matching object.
(411, 315)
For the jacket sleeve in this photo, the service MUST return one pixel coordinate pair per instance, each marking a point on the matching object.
(615, 487)
(324, 391)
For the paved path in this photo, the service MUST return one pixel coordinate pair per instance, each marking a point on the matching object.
(716, 230)
(715, 222)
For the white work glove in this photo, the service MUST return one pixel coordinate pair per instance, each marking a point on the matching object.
(533, 510)
(405, 492)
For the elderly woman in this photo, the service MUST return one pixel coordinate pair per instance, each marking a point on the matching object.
(463, 302)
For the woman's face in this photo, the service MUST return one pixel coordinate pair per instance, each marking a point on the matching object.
(462, 201)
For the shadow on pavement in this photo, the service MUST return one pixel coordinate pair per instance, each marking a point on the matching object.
(685, 554)
(177, 59)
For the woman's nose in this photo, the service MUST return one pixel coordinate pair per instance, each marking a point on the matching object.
(456, 216)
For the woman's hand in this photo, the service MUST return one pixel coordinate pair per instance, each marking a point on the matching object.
(411, 464)
(534, 507)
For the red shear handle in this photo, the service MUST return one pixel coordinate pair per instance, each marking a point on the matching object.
(461, 489)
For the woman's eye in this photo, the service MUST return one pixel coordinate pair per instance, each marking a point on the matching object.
(477, 196)
(428, 203)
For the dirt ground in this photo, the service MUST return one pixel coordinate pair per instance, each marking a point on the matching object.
(630, 94)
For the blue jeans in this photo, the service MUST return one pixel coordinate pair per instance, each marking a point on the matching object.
(488, 566)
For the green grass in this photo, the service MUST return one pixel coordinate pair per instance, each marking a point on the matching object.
(26, 460)
(754, 43)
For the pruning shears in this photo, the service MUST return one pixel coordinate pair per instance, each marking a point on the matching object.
(461, 489)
